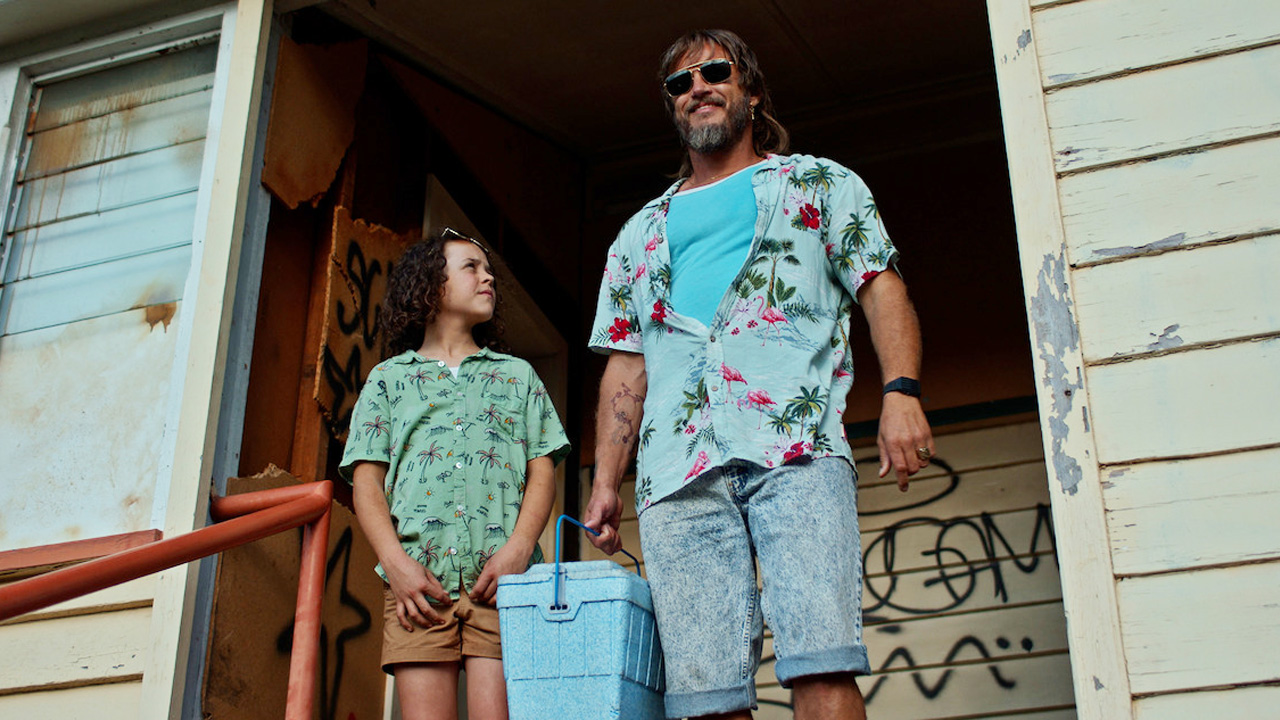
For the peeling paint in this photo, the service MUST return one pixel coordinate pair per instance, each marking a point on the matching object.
(1167, 340)
(1084, 415)
(1062, 77)
(1097, 684)
(1118, 473)
(1171, 241)
(1055, 335)
(1024, 39)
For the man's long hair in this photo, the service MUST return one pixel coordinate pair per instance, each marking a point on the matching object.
(767, 134)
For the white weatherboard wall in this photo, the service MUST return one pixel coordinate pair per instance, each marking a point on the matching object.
(962, 605)
(120, 262)
(98, 249)
(1144, 142)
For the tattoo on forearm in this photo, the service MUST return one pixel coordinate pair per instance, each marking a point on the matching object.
(624, 402)
(623, 429)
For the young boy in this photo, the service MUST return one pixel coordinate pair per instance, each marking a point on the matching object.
(451, 454)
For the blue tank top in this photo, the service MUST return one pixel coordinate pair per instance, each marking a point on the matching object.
(710, 230)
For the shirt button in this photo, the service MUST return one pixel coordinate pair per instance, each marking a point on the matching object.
(458, 465)
(458, 428)
(713, 338)
(440, 363)
(715, 387)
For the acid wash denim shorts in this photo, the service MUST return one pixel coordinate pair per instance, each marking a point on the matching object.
(700, 548)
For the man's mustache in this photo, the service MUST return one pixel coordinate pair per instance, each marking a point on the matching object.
(713, 102)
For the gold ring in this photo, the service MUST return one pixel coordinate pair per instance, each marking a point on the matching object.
(924, 454)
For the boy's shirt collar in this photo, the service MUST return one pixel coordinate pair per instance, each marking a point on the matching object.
(408, 357)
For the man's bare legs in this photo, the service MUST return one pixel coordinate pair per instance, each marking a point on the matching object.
(827, 697)
(817, 697)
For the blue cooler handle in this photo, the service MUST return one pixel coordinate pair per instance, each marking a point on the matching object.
(558, 605)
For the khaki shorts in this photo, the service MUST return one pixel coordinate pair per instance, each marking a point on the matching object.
(470, 629)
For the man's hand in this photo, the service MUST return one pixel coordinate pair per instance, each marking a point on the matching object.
(510, 559)
(903, 432)
(604, 513)
(412, 585)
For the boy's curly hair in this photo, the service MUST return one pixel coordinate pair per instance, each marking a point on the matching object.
(414, 291)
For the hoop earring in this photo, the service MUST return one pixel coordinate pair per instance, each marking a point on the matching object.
(753, 113)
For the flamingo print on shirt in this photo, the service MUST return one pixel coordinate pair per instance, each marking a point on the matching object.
(759, 399)
(698, 465)
(773, 316)
(731, 376)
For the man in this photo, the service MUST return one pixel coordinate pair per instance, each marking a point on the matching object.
(725, 307)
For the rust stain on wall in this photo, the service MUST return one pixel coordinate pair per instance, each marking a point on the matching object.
(163, 313)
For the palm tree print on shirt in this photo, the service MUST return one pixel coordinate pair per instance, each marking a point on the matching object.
(810, 403)
(418, 379)
(853, 238)
(376, 427)
(773, 252)
(810, 215)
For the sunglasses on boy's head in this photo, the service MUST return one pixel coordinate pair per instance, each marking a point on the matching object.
(450, 234)
(713, 72)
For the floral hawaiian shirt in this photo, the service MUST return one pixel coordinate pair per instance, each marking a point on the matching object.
(457, 449)
(767, 381)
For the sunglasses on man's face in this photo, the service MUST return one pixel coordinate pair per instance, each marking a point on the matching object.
(713, 72)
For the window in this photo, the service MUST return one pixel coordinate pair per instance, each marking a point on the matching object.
(97, 250)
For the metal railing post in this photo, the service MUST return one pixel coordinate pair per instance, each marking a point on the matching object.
(305, 660)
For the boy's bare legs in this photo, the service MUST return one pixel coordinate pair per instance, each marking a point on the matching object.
(827, 697)
(486, 689)
(428, 691)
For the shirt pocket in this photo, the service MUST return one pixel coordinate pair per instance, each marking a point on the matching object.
(502, 417)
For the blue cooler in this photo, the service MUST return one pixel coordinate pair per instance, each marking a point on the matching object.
(584, 647)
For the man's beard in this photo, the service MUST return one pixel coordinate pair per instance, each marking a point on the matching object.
(714, 137)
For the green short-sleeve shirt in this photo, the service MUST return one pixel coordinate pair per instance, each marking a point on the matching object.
(457, 450)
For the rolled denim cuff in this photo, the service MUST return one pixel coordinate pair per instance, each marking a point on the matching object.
(710, 702)
(844, 659)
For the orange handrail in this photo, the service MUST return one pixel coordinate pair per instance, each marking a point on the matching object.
(242, 519)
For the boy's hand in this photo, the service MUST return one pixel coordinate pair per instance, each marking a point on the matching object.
(511, 559)
(412, 585)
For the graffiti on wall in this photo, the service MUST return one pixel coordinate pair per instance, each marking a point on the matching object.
(356, 282)
(346, 620)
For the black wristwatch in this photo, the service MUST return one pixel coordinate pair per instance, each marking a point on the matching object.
(904, 385)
